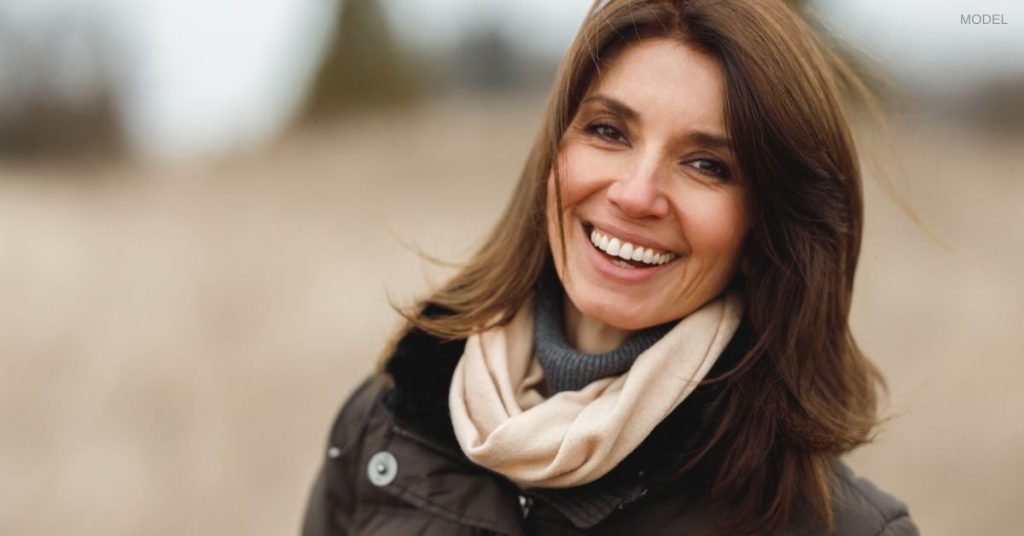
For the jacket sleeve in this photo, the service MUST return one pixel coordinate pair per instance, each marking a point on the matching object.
(332, 502)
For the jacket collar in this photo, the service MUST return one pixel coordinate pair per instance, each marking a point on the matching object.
(421, 369)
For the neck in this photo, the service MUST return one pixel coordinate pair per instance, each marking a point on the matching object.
(589, 335)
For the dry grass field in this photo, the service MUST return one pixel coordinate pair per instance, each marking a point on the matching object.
(174, 341)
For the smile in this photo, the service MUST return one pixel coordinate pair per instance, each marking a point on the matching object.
(630, 254)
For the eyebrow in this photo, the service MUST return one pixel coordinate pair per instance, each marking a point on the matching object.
(696, 136)
(614, 105)
(710, 140)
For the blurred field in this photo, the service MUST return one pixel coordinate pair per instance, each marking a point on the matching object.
(175, 342)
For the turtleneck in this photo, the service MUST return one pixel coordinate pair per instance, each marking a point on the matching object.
(566, 368)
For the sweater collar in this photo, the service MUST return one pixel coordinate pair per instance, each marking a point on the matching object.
(565, 367)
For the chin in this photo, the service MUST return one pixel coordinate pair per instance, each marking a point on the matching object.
(611, 311)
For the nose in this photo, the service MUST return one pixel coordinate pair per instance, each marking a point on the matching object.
(637, 192)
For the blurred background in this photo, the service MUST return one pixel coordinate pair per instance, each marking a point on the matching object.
(206, 206)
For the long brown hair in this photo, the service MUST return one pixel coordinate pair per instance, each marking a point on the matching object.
(803, 393)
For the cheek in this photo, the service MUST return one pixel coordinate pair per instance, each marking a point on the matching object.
(554, 236)
(718, 225)
(572, 195)
(580, 174)
(568, 198)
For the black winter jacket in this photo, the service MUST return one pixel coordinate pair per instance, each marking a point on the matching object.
(393, 467)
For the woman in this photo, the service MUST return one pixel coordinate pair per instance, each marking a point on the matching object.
(654, 339)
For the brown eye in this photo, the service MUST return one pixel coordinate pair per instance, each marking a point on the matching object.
(606, 132)
(710, 167)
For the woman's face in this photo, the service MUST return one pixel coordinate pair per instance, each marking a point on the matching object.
(647, 173)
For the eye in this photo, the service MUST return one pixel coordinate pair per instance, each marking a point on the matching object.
(710, 167)
(606, 132)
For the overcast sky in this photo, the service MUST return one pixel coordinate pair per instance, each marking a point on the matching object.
(204, 76)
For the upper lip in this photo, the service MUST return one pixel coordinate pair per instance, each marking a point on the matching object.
(632, 237)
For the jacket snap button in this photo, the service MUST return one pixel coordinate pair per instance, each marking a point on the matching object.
(382, 469)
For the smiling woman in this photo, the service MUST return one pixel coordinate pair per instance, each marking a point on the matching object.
(641, 175)
(654, 338)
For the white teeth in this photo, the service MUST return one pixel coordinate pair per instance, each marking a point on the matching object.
(613, 247)
(626, 250)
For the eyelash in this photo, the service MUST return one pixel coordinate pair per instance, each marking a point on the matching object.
(601, 131)
(721, 171)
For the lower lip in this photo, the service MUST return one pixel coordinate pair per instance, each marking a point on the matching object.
(607, 267)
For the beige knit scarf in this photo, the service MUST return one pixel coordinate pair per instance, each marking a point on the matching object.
(505, 424)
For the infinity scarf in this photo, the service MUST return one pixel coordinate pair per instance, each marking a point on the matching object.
(504, 423)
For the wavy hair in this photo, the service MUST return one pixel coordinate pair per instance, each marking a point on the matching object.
(803, 393)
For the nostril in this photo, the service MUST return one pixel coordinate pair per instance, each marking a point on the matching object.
(638, 195)
(651, 204)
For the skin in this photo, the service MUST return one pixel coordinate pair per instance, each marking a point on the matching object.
(647, 158)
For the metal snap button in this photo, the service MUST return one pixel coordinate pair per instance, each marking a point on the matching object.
(382, 469)
(524, 505)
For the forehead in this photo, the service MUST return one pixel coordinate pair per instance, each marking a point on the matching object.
(666, 81)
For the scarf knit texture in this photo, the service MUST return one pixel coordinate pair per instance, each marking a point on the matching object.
(504, 423)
